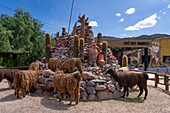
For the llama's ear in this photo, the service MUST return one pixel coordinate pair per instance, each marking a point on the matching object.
(113, 69)
(82, 60)
(108, 71)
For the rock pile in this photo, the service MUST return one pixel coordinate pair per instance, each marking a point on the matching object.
(63, 49)
(44, 82)
(91, 88)
(98, 89)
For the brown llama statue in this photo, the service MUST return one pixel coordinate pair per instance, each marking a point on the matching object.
(127, 80)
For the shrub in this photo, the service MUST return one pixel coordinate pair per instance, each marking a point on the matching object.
(161, 66)
(141, 65)
(153, 66)
(131, 64)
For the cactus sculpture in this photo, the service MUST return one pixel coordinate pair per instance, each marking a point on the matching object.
(76, 46)
(75, 29)
(63, 31)
(124, 61)
(48, 46)
(99, 40)
(82, 48)
(104, 50)
(82, 21)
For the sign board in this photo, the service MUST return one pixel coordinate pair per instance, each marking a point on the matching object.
(129, 43)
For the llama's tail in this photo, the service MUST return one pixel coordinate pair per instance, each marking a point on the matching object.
(146, 76)
(78, 78)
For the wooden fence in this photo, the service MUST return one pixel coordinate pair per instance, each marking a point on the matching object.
(157, 79)
(19, 67)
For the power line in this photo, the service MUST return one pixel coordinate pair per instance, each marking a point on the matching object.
(70, 16)
(37, 19)
(6, 7)
(50, 24)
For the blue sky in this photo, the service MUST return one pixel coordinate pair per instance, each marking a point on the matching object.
(118, 18)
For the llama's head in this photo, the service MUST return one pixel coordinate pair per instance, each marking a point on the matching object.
(110, 70)
(113, 73)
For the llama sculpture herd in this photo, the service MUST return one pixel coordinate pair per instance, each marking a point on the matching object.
(63, 80)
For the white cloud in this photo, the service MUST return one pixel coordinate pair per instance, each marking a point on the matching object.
(164, 13)
(159, 17)
(122, 34)
(93, 24)
(131, 28)
(168, 5)
(162, 10)
(118, 14)
(121, 20)
(130, 11)
(146, 23)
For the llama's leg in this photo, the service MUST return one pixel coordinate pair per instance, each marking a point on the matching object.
(141, 91)
(77, 96)
(10, 84)
(59, 95)
(17, 92)
(23, 92)
(146, 93)
(80, 68)
(127, 92)
(124, 92)
(72, 96)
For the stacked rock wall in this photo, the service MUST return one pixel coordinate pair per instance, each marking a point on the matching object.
(95, 85)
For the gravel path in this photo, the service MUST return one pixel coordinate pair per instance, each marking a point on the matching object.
(158, 101)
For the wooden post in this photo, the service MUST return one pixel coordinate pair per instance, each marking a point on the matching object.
(146, 58)
(156, 80)
(166, 82)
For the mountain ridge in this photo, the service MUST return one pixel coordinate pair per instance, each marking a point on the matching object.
(141, 37)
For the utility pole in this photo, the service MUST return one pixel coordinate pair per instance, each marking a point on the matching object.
(70, 16)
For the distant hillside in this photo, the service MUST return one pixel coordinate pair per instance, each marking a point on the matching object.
(150, 37)
(142, 37)
(109, 37)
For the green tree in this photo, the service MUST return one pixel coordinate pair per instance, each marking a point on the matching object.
(4, 39)
(24, 35)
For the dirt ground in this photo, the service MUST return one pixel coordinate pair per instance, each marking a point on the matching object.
(158, 101)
